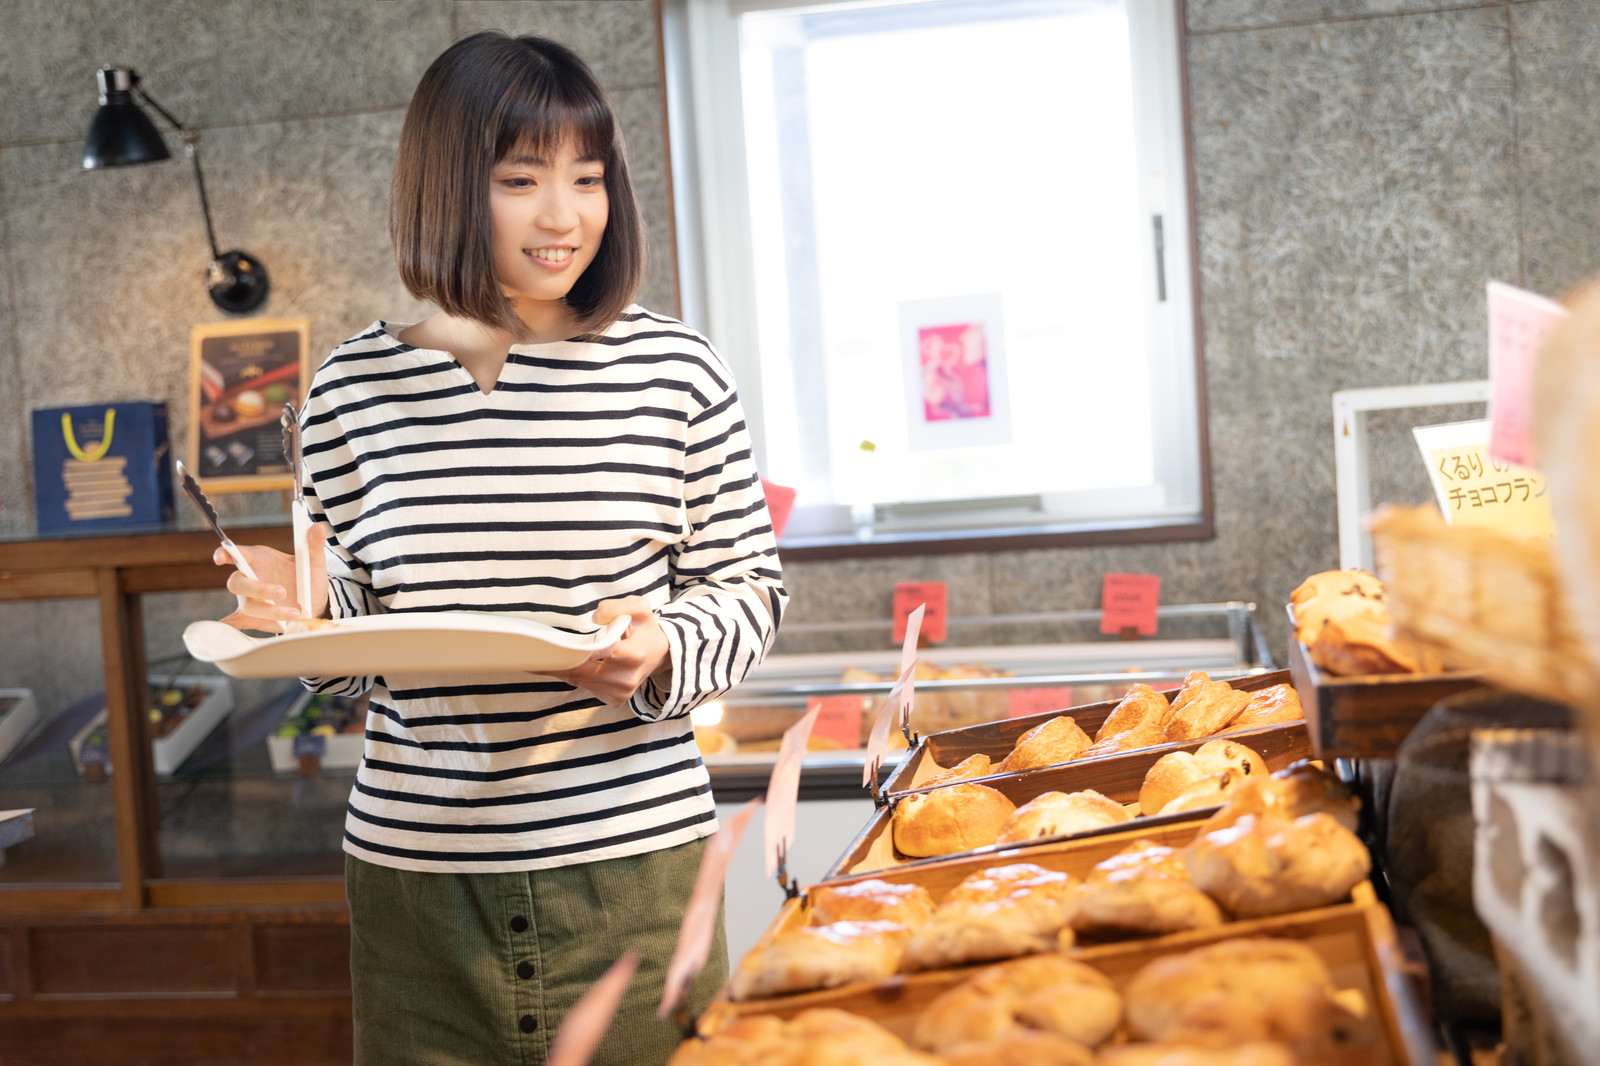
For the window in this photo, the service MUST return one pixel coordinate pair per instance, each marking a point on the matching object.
(946, 246)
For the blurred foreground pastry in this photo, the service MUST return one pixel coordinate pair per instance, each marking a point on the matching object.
(820, 956)
(1263, 865)
(998, 913)
(1059, 813)
(821, 1036)
(1143, 890)
(1050, 993)
(1261, 1054)
(869, 901)
(1341, 618)
(949, 819)
(1294, 791)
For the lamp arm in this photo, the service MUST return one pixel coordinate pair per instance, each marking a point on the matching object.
(192, 149)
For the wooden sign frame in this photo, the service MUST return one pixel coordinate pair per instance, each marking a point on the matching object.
(234, 408)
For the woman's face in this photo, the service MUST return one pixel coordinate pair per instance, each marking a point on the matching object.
(547, 217)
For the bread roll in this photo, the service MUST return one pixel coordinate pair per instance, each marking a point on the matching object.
(1337, 583)
(972, 766)
(869, 901)
(998, 913)
(1296, 790)
(1046, 992)
(1143, 890)
(1192, 683)
(820, 956)
(1057, 741)
(1210, 791)
(1142, 705)
(1060, 813)
(1178, 771)
(1263, 866)
(713, 741)
(949, 819)
(1031, 1046)
(1270, 706)
(1182, 1055)
(1213, 705)
(1246, 991)
(817, 1037)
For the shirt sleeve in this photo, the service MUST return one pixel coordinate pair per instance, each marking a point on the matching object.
(727, 585)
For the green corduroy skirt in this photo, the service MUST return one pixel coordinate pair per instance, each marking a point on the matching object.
(479, 969)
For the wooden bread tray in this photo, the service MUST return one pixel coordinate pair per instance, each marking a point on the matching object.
(939, 751)
(1118, 777)
(1366, 717)
(1355, 939)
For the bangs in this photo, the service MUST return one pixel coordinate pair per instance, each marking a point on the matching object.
(537, 114)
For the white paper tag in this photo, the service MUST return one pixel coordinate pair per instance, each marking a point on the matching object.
(586, 1023)
(783, 788)
(908, 664)
(700, 916)
(886, 718)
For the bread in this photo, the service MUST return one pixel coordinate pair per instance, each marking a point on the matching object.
(820, 956)
(1210, 791)
(822, 1036)
(1056, 741)
(1296, 790)
(1143, 890)
(1144, 735)
(972, 766)
(1213, 705)
(949, 819)
(1244, 991)
(1259, 1054)
(1059, 813)
(1046, 992)
(1269, 865)
(1032, 1046)
(1269, 706)
(998, 913)
(713, 741)
(869, 901)
(1142, 705)
(1178, 771)
(1337, 583)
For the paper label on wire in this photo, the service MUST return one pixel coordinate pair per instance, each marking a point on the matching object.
(1519, 323)
(783, 789)
(586, 1023)
(700, 916)
(878, 741)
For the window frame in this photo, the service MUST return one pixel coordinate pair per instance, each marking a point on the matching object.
(717, 257)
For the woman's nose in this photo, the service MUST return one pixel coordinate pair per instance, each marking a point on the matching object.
(556, 211)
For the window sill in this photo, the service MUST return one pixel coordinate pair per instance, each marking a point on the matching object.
(1013, 538)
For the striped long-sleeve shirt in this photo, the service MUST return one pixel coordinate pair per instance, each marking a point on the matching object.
(593, 470)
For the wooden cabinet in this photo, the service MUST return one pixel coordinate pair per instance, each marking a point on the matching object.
(152, 968)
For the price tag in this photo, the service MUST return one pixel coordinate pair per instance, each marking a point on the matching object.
(1022, 702)
(700, 916)
(306, 744)
(586, 1023)
(780, 501)
(1130, 601)
(907, 680)
(933, 596)
(878, 742)
(783, 788)
(1475, 489)
(94, 755)
(1519, 322)
(839, 718)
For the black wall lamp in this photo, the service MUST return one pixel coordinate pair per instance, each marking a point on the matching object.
(123, 135)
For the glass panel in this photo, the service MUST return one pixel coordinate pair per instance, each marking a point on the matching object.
(229, 807)
(53, 679)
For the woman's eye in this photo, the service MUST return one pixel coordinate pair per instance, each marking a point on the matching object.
(518, 183)
(591, 181)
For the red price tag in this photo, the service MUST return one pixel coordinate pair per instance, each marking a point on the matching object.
(1130, 601)
(839, 718)
(934, 596)
(780, 501)
(1519, 324)
(1026, 701)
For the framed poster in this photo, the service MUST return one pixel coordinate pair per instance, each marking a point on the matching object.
(953, 359)
(240, 376)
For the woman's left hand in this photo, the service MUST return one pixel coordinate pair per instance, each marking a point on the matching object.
(616, 673)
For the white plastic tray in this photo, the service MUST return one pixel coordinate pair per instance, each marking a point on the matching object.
(447, 642)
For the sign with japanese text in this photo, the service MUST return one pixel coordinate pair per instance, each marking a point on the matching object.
(1129, 601)
(1475, 489)
(1519, 322)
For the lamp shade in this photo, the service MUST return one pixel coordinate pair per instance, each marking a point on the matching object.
(121, 134)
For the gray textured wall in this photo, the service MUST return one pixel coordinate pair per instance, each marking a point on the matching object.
(1363, 167)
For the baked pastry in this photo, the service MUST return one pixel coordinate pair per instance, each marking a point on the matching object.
(1144, 735)
(1032, 1046)
(1294, 791)
(1059, 813)
(1259, 1054)
(820, 956)
(1268, 865)
(1047, 992)
(1143, 890)
(998, 913)
(972, 766)
(713, 741)
(1245, 991)
(1350, 582)
(1056, 741)
(1211, 791)
(821, 1036)
(1211, 707)
(1269, 706)
(869, 901)
(1142, 705)
(1178, 771)
(949, 819)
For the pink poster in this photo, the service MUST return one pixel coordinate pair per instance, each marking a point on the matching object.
(955, 371)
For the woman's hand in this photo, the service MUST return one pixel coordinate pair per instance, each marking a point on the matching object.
(616, 673)
(266, 604)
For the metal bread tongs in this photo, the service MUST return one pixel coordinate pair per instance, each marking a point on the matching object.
(297, 510)
(192, 487)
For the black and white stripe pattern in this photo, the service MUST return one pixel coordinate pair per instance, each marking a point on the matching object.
(593, 470)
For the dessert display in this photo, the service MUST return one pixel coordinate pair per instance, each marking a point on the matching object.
(1341, 618)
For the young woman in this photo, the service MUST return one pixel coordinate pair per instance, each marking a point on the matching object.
(540, 446)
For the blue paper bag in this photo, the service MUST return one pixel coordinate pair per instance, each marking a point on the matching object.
(106, 467)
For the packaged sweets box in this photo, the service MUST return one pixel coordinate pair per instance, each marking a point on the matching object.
(103, 467)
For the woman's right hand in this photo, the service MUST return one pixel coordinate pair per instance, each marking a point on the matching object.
(267, 601)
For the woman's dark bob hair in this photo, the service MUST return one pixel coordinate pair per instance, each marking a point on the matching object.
(485, 96)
